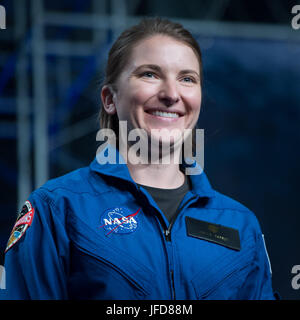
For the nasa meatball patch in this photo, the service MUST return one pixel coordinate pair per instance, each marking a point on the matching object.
(23, 222)
(119, 220)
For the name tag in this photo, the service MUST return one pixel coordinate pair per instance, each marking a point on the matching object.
(224, 236)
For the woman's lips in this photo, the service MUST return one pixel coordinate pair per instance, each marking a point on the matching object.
(165, 116)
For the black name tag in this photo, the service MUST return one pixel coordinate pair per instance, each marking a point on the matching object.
(227, 237)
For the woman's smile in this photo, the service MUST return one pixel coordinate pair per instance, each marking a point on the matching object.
(162, 120)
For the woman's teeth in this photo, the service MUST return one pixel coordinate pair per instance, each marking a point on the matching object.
(165, 114)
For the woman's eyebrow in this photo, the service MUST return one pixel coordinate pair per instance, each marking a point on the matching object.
(189, 71)
(147, 66)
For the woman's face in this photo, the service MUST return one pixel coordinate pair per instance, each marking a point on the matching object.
(160, 86)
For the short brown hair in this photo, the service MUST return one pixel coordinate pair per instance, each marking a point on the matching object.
(121, 50)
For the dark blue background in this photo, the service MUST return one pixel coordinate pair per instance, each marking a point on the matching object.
(250, 113)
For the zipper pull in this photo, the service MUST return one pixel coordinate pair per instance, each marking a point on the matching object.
(167, 234)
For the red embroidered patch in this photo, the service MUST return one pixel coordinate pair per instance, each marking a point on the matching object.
(24, 221)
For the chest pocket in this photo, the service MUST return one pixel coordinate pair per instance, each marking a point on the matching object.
(100, 271)
(223, 279)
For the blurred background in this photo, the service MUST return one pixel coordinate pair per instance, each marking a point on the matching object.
(52, 57)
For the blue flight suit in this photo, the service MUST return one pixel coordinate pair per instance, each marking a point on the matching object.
(95, 234)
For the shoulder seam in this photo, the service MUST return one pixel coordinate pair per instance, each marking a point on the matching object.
(43, 196)
(232, 209)
(69, 190)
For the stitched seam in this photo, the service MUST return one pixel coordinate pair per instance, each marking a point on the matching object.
(119, 251)
(232, 209)
(43, 196)
(244, 255)
(79, 192)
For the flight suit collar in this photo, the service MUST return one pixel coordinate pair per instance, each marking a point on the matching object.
(199, 182)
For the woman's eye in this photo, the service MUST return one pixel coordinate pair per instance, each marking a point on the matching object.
(148, 74)
(188, 79)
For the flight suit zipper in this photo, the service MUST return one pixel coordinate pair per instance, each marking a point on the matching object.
(167, 231)
(167, 234)
(173, 285)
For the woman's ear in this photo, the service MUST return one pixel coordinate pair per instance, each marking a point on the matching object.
(107, 97)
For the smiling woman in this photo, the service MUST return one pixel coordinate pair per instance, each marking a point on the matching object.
(140, 230)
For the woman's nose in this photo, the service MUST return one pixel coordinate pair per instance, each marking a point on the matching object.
(168, 93)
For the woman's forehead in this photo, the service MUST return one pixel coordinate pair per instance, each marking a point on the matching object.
(165, 51)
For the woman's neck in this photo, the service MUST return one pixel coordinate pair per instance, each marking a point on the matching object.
(164, 176)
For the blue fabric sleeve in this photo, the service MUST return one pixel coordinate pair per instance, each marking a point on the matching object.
(36, 265)
(258, 285)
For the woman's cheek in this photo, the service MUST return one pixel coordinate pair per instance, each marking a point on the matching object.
(144, 92)
(195, 103)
